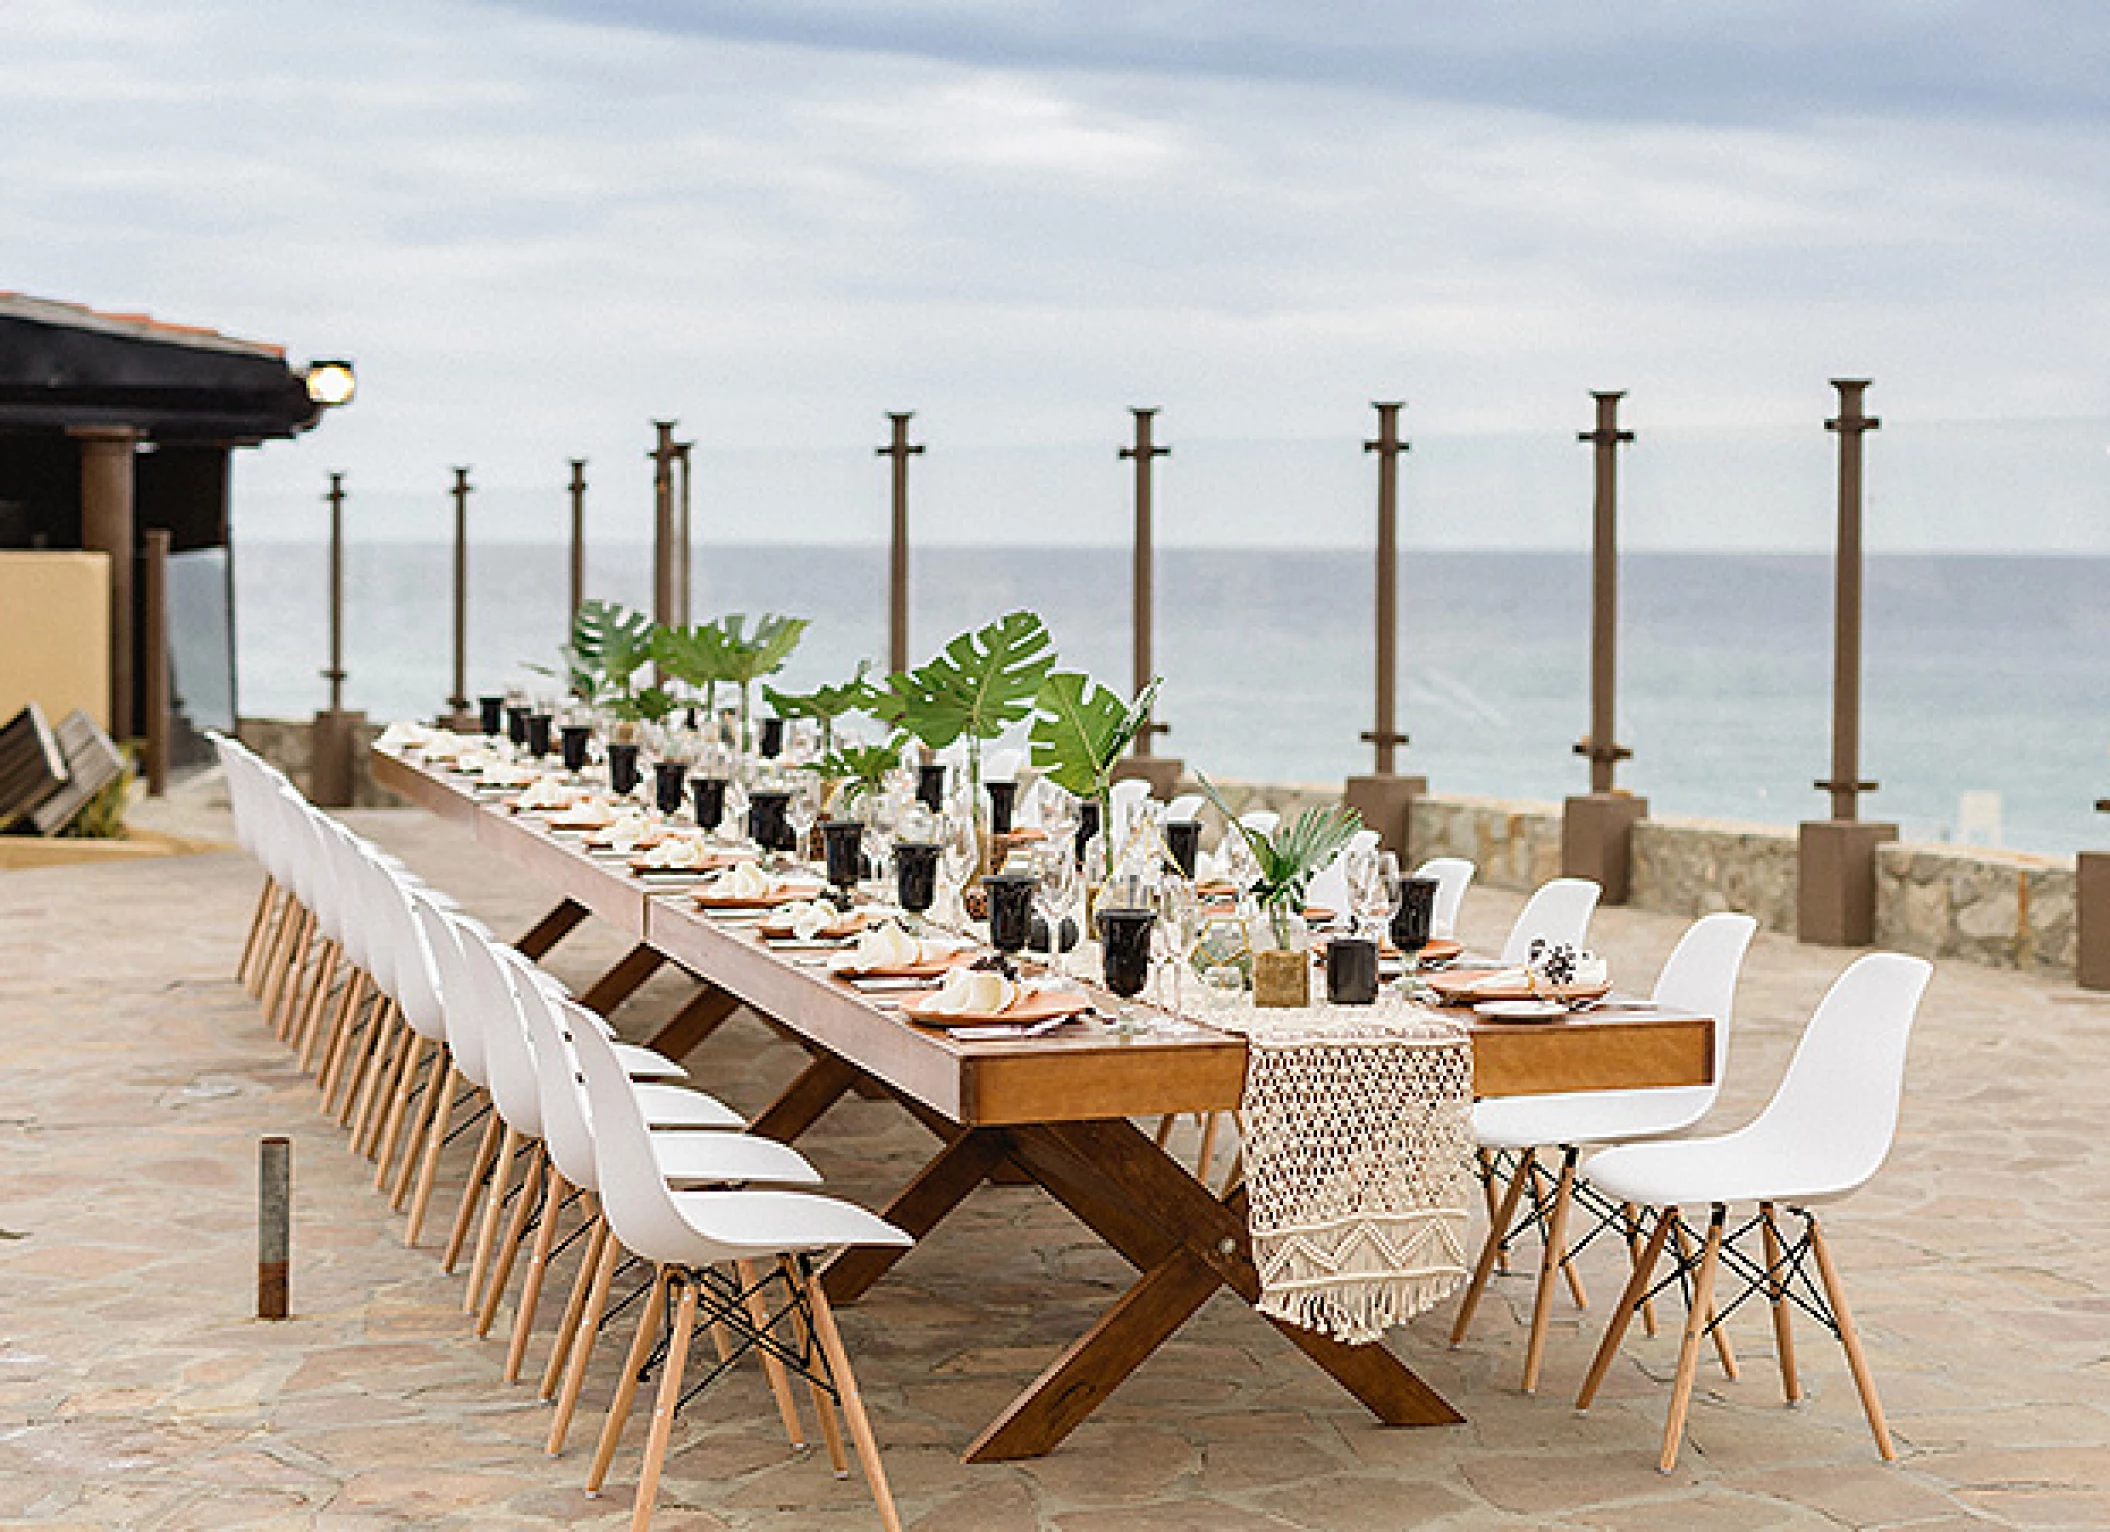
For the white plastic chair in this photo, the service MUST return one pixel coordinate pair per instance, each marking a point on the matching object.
(1826, 1131)
(685, 1158)
(1559, 911)
(1453, 875)
(691, 1237)
(1699, 976)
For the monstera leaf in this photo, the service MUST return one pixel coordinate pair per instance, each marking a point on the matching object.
(762, 653)
(826, 703)
(977, 686)
(1080, 729)
(862, 769)
(695, 656)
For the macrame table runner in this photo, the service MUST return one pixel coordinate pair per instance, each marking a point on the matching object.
(1358, 1148)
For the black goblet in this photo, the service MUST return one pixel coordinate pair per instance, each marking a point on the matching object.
(1010, 909)
(1003, 802)
(1414, 918)
(1088, 825)
(491, 713)
(572, 738)
(772, 738)
(1124, 936)
(930, 785)
(622, 768)
(916, 874)
(538, 733)
(516, 723)
(842, 843)
(668, 780)
(1351, 970)
(1183, 838)
(768, 819)
(709, 793)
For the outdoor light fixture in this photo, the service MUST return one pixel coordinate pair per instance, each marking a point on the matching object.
(331, 383)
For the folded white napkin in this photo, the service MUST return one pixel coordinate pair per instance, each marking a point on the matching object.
(627, 829)
(745, 881)
(403, 735)
(676, 851)
(547, 794)
(884, 946)
(807, 918)
(972, 991)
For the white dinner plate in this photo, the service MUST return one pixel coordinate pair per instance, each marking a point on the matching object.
(1521, 1010)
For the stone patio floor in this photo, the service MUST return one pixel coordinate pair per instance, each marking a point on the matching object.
(137, 1391)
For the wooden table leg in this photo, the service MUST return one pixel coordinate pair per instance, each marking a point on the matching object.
(551, 928)
(688, 1027)
(621, 982)
(1146, 1206)
(922, 1205)
(819, 1086)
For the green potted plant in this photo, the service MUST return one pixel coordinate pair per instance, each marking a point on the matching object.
(853, 775)
(1080, 732)
(973, 689)
(1287, 861)
(826, 704)
(711, 652)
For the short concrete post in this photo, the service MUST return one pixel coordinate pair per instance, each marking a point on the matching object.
(1597, 828)
(1836, 879)
(2092, 895)
(274, 1227)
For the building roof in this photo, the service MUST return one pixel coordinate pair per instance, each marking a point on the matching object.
(64, 366)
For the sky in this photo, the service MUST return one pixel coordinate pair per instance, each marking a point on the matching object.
(536, 228)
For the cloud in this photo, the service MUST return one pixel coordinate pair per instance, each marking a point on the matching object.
(536, 232)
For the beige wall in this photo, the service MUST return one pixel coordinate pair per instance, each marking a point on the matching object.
(55, 634)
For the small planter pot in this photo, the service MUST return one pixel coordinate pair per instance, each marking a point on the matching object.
(1281, 978)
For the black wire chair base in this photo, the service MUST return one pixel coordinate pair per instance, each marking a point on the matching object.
(722, 1300)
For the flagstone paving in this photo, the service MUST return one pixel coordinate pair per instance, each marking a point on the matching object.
(136, 1391)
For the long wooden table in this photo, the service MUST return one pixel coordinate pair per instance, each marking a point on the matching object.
(1056, 1110)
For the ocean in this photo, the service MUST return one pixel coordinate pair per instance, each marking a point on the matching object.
(1982, 675)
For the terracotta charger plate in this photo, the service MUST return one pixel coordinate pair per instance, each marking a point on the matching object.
(926, 968)
(1471, 988)
(714, 860)
(782, 894)
(1440, 950)
(1041, 1005)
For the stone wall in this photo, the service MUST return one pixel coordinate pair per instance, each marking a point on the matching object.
(1698, 866)
(2006, 909)
(284, 743)
(1515, 845)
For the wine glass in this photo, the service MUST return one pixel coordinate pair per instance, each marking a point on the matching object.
(1180, 915)
(956, 835)
(801, 812)
(1125, 943)
(1062, 896)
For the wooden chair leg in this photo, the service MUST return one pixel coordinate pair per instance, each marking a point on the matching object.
(1722, 1348)
(1615, 1329)
(823, 1406)
(1212, 1125)
(1630, 1220)
(853, 1406)
(1697, 1318)
(266, 897)
(333, 1039)
(1850, 1338)
(291, 961)
(626, 1390)
(354, 1040)
(359, 1091)
(472, 1190)
(1777, 1296)
(439, 1080)
(582, 1342)
(500, 1270)
(1164, 1133)
(663, 1408)
(1491, 1252)
(398, 1107)
(282, 949)
(300, 1039)
(554, 1192)
(1553, 1257)
(495, 1190)
(575, 1305)
(772, 1365)
(380, 1084)
(1492, 1196)
(300, 994)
